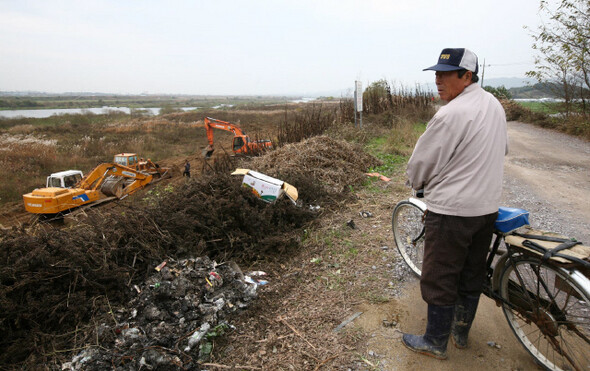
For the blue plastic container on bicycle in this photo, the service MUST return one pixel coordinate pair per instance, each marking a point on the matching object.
(510, 219)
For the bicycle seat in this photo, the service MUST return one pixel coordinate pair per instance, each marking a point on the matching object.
(510, 219)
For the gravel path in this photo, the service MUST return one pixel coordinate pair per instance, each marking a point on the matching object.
(548, 174)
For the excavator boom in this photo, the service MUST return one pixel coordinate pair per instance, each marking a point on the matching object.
(211, 123)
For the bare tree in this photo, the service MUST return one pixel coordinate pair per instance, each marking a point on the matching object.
(563, 43)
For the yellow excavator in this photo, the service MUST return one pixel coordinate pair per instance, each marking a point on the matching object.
(106, 182)
(138, 163)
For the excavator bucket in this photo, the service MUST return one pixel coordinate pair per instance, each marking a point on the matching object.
(207, 152)
(113, 186)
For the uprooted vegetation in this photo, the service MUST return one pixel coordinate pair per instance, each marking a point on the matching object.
(68, 290)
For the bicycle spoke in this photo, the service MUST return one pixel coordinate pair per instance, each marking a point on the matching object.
(548, 312)
(570, 354)
(408, 231)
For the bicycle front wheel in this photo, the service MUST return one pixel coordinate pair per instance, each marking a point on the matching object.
(549, 312)
(408, 232)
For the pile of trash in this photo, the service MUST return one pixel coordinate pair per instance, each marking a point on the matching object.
(172, 318)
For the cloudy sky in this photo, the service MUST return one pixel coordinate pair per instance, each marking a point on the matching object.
(251, 46)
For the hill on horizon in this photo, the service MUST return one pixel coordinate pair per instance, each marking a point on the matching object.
(509, 82)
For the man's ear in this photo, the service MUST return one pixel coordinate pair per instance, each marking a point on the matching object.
(468, 75)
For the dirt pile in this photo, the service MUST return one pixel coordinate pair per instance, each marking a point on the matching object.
(69, 289)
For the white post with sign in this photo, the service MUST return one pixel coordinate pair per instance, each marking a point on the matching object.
(358, 103)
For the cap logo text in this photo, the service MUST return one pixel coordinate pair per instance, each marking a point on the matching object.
(445, 56)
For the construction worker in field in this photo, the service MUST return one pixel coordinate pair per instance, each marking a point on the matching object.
(187, 169)
(458, 162)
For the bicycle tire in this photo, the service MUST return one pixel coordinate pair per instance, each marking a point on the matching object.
(408, 232)
(548, 311)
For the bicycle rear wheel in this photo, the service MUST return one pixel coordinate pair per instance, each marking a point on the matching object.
(548, 309)
(408, 231)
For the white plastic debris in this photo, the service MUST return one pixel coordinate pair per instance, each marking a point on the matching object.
(197, 336)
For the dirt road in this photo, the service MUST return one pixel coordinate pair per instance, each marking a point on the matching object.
(546, 173)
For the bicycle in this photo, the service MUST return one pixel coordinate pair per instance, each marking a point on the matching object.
(541, 285)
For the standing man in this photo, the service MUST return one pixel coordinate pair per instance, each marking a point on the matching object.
(187, 169)
(458, 162)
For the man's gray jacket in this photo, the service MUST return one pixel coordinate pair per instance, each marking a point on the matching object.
(459, 159)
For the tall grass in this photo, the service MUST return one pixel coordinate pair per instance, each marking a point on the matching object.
(383, 97)
(304, 123)
(403, 136)
(404, 112)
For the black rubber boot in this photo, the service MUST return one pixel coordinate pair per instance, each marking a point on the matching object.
(464, 315)
(434, 342)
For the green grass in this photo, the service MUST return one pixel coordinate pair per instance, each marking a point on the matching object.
(392, 162)
(547, 108)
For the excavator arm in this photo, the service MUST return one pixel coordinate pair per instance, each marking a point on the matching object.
(95, 178)
(115, 180)
(211, 123)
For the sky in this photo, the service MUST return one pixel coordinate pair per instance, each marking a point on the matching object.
(252, 47)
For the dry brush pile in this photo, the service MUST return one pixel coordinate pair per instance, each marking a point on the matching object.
(57, 285)
(323, 168)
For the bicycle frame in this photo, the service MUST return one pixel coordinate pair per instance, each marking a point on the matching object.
(545, 301)
(492, 284)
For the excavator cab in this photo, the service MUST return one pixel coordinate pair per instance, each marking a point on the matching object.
(64, 179)
(238, 144)
(126, 159)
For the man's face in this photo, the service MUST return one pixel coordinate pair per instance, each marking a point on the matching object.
(449, 85)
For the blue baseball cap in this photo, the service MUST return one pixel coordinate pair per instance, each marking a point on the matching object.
(453, 59)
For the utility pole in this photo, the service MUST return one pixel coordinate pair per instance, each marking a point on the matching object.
(483, 71)
(358, 103)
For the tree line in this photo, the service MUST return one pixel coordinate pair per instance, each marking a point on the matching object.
(562, 42)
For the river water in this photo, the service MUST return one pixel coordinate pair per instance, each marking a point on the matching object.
(42, 113)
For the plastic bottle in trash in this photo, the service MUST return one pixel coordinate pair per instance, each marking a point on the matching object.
(197, 336)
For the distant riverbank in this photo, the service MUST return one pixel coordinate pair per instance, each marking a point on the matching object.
(42, 113)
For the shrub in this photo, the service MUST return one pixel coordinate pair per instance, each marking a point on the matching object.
(500, 92)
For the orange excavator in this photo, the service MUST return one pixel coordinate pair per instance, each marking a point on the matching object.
(108, 181)
(242, 144)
